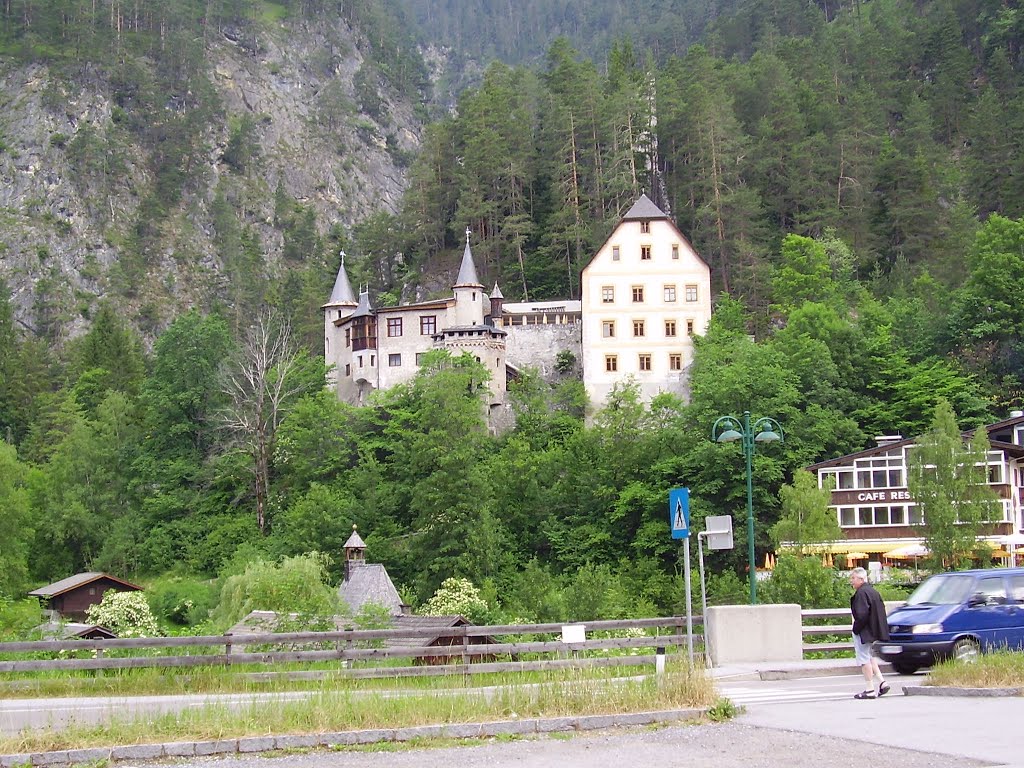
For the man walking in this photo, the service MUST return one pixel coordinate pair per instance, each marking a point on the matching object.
(869, 624)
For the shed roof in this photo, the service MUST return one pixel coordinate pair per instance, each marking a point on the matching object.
(76, 581)
(370, 583)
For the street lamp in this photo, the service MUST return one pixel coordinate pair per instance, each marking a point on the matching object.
(728, 429)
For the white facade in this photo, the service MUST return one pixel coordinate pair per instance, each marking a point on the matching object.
(646, 294)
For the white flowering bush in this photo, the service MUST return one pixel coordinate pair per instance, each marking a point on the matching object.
(126, 614)
(457, 596)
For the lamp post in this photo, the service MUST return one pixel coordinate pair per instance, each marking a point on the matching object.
(728, 429)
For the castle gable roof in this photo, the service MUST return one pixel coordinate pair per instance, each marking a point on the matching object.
(644, 209)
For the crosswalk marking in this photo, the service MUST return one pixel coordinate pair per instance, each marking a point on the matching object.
(749, 695)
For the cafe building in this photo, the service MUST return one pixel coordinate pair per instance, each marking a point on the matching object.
(880, 519)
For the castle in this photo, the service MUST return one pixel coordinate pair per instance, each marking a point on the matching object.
(645, 294)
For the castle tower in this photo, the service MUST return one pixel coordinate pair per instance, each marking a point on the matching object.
(469, 291)
(497, 299)
(361, 349)
(338, 307)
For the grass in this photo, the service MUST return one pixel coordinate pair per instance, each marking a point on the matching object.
(563, 693)
(998, 669)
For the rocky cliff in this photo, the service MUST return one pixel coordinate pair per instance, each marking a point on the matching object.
(104, 196)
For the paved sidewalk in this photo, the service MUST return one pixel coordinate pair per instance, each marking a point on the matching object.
(786, 670)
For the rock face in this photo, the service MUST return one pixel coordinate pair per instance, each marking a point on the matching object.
(78, 177)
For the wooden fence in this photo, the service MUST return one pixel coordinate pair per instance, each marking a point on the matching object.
(465, 650)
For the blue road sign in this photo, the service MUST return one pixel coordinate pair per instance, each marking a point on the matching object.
(679, 512)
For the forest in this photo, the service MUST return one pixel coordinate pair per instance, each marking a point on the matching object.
(851, 175)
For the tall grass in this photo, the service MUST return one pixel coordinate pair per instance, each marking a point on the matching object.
(562, 693)
(998, 669)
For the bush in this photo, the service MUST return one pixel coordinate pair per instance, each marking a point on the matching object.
(294, 585)
(126, 614)
(457, 597)
(806, 582)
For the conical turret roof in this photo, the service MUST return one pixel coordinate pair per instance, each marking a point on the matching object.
(496, 293)
(342, 293)
(467, 271)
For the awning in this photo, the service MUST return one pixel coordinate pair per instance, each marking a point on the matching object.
(907, 551)
(868, 547)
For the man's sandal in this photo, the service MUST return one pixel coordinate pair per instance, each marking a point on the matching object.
(865, 695)
(883, 689)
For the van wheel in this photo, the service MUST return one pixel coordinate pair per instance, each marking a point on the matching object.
(903, 668)
(966, 650)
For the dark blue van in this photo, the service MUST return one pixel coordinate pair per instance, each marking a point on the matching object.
(956, 615)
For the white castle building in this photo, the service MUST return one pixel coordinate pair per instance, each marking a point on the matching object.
(646, 293)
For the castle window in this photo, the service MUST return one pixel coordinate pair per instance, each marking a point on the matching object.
(428, 325)
(615, 253)
(607, 294)
(670, 294)
(327, 346)
(394, 326)
(645, 362)
(675, 250)
(645, 253)
(638, 327)
(670, 328)
(608, 329)
(689, 327)
(348, 369)
(611, 363)
(675, 362)
(645, 227)
(348, 338)
(419, 358)
(691, 293)
(638, 294)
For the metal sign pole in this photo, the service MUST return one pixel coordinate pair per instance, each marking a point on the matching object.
(689, 605)
(703, 592)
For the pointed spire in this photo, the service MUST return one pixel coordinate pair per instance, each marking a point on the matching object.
(363, 308)
(355, 540)
(467, 271)
(496, 293)
(342, 293)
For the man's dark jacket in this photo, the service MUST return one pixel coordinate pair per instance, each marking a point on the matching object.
(869, 622)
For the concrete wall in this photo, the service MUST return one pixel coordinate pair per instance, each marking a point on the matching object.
(751, 633)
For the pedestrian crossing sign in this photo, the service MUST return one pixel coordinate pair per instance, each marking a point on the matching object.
(679, 512)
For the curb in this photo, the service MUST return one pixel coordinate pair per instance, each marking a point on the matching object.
(768, 675)
(251, 744)
(942, 690)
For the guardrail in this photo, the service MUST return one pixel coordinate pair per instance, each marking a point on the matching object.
(828, 626)
(465, 649)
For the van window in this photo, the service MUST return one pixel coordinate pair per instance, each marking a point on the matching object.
(944, 589)
(1017, 588)
(993, 588)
